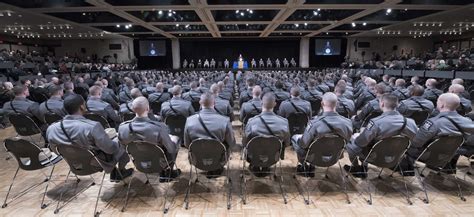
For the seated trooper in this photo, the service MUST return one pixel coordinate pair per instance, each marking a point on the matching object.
(54, 104)
(370, 107)
(329, 122)
(108, 94)
(390, 123)
(142, 128)
(400, 91)
(246, 94)
(447, 123)
(253, 106)
(221, 106)
(267, 124)
(208, 124)
(295, 104)
(367, 94)
(76, 130)
(280, 94)
(95, 105)
(124, 93)
(127, 107)
(465, 105)
(20, 104)
(431, 92)
(176, 105)
(194, 94)
(415, 103)
(159, 95)
(345, 106)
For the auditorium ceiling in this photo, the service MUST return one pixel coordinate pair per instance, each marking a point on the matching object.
(234, 18)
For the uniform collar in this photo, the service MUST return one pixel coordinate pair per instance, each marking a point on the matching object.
(331, 113)
(207, 111)
(141, 119)
(390, 113)
(268, 113)
(55, 98)
(417, 97)
(74, 117)
(256, 99)
(94, 98)
(20, 98)
(451, 113)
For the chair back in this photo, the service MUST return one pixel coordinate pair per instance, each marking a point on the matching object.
(51, 117)
(420, 116)
(297, 122)
(25, 152)
(387, 152)
(81, 161)
(315, 105)
(325, 151)
(23, 124)
(98, 118)
(372, 114)
(126, 116)
(147, 157)
(81, 91)
(176, 125)
(247, 117)
(441, 151)
(196, 105)
(264, 151)
(38, 97)
(156, 107)
(207, 154)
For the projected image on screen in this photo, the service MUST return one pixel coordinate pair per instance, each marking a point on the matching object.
(152, 48)
(328, 47)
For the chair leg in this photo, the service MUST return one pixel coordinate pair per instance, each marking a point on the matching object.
(98, 196)
(128, 192)
(406, 187)
(188, 190)
(165, 208)
(56, 211)
(423, 187)
(369, 201)
(243, 187)
(46, 188)
(229, 188)
(460, 194)
(344, 183)
(10, 188)
(280, 182)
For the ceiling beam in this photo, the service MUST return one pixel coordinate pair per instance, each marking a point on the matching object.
(200, 7)
(129, 17)
(386, 4)
(282, 15)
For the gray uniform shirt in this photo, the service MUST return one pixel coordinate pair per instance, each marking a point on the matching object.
(252, 106)
(23, 106)
(287, 108)
(159, 96)
(414, 103)
(345, 106)
(278, 125)
(96, 105)
(53, 105)
(176, 105)
(318, 128)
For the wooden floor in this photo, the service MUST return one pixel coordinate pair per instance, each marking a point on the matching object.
(264, 198)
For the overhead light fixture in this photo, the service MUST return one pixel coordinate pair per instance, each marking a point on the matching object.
(364, 24)
(160, 12)
(297, 25)
(242, 14)
(389, 10)
(118, 25)
(353, 24)
(237, 11)
(170, 14)
(251, 11)
(319, 9)
(305, 24)
(9, 14)
(84, 14)
(177, 24)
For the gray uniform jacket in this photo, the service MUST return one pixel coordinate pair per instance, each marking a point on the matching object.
(223, 108)
(252, 106)
(159, 96)
(414, 103)
(154, 132)
(23, 106)
(432, 94)
(278, 125)
(96, 105)
(386, 125)
(177, 106)
(192, 95)
(345, 106)
(124, 95)
(312, 94)
(87, 134)
(245, 96)
(126, 107)
(109, 96)
(53, 105)
(281, 95)
(219, 126)
(317, 128)
(287, 108)
(401, 93)
(364, 98)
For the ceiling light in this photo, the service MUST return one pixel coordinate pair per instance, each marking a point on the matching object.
(440, 24)
(327, 33)
(187, 26)
(1, 14)
(315, 13)
(246, 24)
(9, 14)
(170, 14)
(126, 27)
(251, 11)
(347, 33)
(83, 14)
(118, 25)
(297, 25)
(353, 24)
(41, 27)
(305, 24)
(237, 11)
(414, 24)
(389, 10)
(242, 14)
(177, 24)
(364, 24)
(160, 12)
(319, 9)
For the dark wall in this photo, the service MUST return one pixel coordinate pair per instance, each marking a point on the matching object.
(326, 61)
(160, 62)
(219, 49)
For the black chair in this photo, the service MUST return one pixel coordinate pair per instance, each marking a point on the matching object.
(82, 91)
(420, 116)
(372, 114)
(265, 152)
(149, 159)
(30, 157)
(126, 116)
(438, 154)
(25, 126)
(387, 154)
(38, 97)
(325, 152)
(196, 105)
(315, 105)
(297, 122)
(156, 107)
(98, 118)
(176, 125)
(82, 162)
(208, 155)
(51, 117)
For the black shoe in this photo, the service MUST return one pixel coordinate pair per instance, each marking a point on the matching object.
(305, 171)
(116, 176)
(356, 171)
(214, 174)
(169, 175)
(260, 171)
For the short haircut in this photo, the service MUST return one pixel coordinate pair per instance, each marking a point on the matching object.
(214, 89)
(400, 83)
(330, 99)
(417, 90)
(140, 105)
(340, 89)
(451, 101)
(278, 84)
(257, 91)
(194, 84)
(135, 92)
(68, 85)
(72, 103)
(99, 83)
(20, 89)
(295, 91)
(390, 101)
(95, 90)
(207, 100)
(380, 89)
(251, 81)
(176, 91)
(55, 89)
(268, 101)
(456, 88)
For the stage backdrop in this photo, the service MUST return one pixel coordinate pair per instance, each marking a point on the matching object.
(220, 49)
(153, 62)
(326, 61)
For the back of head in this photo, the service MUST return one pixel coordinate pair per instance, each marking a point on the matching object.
(95, 91)
(390, 101)
(380, 89)
(98, 83)
(68, 85)
(456, 89)
(417, 90)
(56, 90)
(330, 100)
(214, 89)
(457, 81)
(19, 89)
(311, 82)
(207, 100)
(295, 91)
(160, 86)
(140, 105)
(135, 92)
(251, 82)
(176, 90)
(257, 91)
(194, 85)
(340, 89)
(73, 103)
(268, 101)
(431, 83)
(400, 83)
(279, 85)
(130, 83)
(448, 101)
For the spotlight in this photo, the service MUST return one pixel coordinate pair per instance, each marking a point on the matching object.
(364, 24)
(170, 14)
(319, 9)
(353, 24)
(118, 25)
(9, 14)
(237, 11)
(297, 25)
(241, 13)
(160, 12)
(305, 24)
(177, 25)
(83, 14)
(389, 10)
(251, 11)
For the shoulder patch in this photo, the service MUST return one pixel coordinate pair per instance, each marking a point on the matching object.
(427, 125)
(370, 125)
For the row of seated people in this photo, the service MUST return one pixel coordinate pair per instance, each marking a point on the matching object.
(208, 123)
(253, 63)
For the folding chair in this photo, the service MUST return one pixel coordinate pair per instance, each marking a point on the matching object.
(30, 157)
(387, 154)
(148, 158)
(208, 155)
(438, 154)
(176, 124)
(263, 151)
(82, 91)
(297, 122)
(126, 116)
(82, 162)
(51, 117)
(325, 152)
(25, 126)
(98, 118)
(196, 105)
(419, 116)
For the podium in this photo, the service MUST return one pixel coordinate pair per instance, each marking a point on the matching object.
(240, 65)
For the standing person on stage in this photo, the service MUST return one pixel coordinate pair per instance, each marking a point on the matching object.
(226, 63)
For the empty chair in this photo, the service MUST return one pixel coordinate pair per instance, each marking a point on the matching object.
(420, 116)
(51, 117)
(149, 159)
(176, 125)
(30, 157)
(263, 152)
(325, 152)
(99, 118)
(208, 155)
(297, 122)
